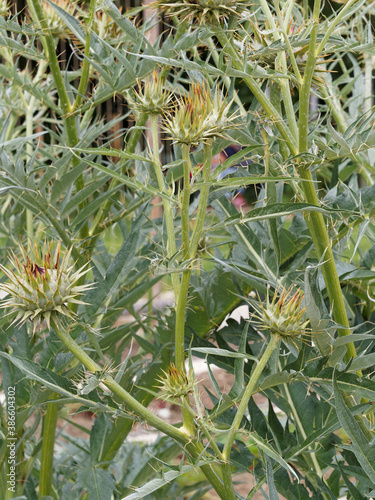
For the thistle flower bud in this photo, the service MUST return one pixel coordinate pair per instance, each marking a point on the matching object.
(176, 383)
(199, 117)
(151, 97)
(283, 315)
(42, 290)
(55, 23)
(202, 11)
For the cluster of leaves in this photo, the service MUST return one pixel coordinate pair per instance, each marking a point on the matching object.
(314, 438)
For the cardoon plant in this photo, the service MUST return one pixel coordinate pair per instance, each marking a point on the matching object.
(138, 203)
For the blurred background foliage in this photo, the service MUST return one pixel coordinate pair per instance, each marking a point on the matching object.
(84, 178)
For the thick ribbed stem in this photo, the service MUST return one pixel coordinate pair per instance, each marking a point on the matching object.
(109, 382)
(104, 209)
(180, 319)
(48, 443)
(316, 222)
(282, 66)
(185, 280)
(189, 250)
(69, 119)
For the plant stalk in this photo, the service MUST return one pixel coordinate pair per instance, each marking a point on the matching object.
(194, 448)
(258, 93)
(109, 382)
(202, 207)
(189, 250)
(168, 209)
(29, 147)
(180, 319)
(48, 443)
(249, 391)
(281, 63)
(185, 201)
(50, 51)
(68, 117)
(316, 222)
(82, 87)
(104, 209)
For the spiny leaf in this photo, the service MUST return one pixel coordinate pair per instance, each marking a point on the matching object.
(223, 352)
(362, 448)
(98, 483)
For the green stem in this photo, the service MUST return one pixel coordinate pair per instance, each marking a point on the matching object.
(109, 382)
(168, 209)
(48, 43)
(249, 391)
(69, 119)
(185, 201)
(48, 443)
(316, 222)
(309, 456)
(188, 420)
(201, 213)
(324, 249)
(190, 248)
(304, 98)
(104, 209)
(226, 79)
(180, 319)
(185, 280)
(261, 97)
(337, 19)
(29, 147)
(189, 253)
(194, 448)
(281, 63)
(82, 87)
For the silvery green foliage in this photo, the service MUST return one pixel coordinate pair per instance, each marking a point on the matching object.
(307, 439)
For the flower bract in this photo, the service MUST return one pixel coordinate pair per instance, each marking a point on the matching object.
(199, 116)
(42, 289)
(283, 314)
(151, 96)
(176, 383)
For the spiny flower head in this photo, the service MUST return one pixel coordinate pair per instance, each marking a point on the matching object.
(202, 11)
(283, 315)
(199, 116)
(43, 288)
(55, 23)
(5, 8)
(176, 383)
(151, 97)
